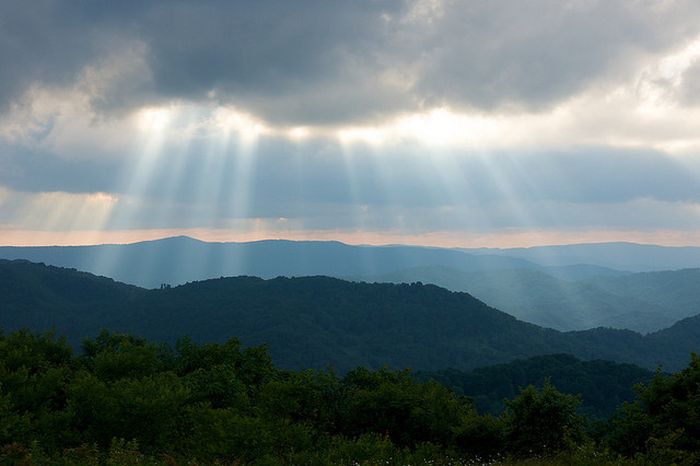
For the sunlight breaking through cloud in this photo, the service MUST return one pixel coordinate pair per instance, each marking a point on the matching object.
(368, 136)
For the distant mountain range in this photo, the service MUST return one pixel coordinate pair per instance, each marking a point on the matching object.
(571, 287)
(622, 256)
(182, 259)
(643, 302)
(315, 322)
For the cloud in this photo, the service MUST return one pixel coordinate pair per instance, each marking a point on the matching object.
(321, 61)
(690, 87)
(49, 42)
(410, 116)
(275, 57)
(535, 54)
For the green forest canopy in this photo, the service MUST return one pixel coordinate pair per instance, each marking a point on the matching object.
(128, 401)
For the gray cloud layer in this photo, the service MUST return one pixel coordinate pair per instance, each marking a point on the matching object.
(336, 61)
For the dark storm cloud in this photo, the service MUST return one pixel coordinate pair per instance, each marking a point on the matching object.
(251, 53)
(50, 42)
(323, 61)
(40, 43)
(270, 48)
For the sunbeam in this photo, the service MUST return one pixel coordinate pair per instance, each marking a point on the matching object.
(139, 174)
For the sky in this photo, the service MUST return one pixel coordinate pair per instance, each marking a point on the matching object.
(437, 122)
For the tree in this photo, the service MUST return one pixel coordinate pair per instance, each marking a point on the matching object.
(665, 416)
(542, 421)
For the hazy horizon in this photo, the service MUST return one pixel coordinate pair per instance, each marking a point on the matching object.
(115, 238)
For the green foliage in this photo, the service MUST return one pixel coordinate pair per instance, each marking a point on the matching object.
(481, 436)
(542, 421)
(114, 356)
(13, 425)
(127, 401)
(665, 419)
(391, 403)
(603, 385)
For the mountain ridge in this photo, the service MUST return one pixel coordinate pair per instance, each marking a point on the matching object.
(314, 322)
(179, 260)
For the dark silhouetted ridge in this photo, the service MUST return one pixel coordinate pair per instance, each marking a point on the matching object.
(319, 321)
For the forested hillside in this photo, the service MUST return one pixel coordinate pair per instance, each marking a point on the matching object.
(603, 385)
(319, 322)
(676, 291)
(644, 302)
(549, 291)
(126, 401)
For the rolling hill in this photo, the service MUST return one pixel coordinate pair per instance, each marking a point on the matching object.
(644, 302)
(182, 259)
(621, 256)
(677, 291)
(562, 287)
(315, 322)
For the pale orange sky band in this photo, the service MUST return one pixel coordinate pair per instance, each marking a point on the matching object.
(500, 239)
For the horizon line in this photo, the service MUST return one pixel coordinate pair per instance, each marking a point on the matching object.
(166, 237)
